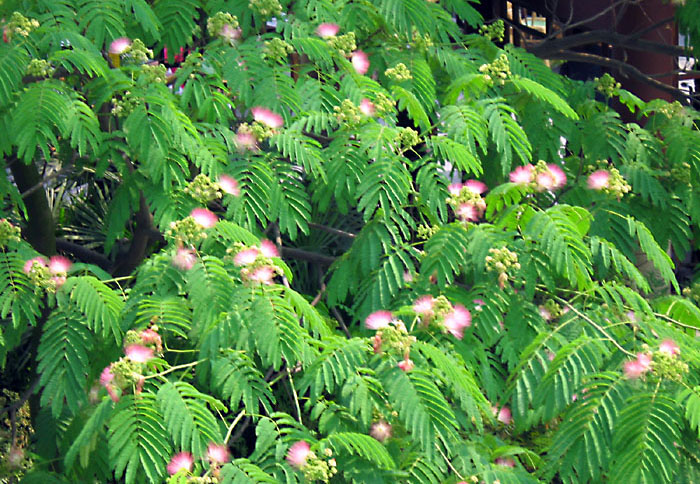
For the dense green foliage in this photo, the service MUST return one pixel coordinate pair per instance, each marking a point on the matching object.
(537, 329)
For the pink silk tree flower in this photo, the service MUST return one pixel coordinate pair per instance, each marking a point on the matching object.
(456, 320)
(59, 264)
(522, 175)
(544, 181)
(184, 259)
(268, 248)
(106, 379)
(633, 369)
(598, 180)
(467, 212)
(454, 188)
(229, 185)
(367, 107)
(230, 34)
(118, 46)
(327, 30)
(475, 186)
(204, 217)
(406, 364)
(246, 141)
(263, 275)
(424, 305)
(138, 353)
(182, 461)
(218, 454)
(636, 368)
(669, 347)
(149, 336)
(30, 263)
(246, 256)
(267, 117)
(378, 320)
(503, 461)
(503, 415)
(297, 454)
(558, 174)
(360, 62)
(380, 430)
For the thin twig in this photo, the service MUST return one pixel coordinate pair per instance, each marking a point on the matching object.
(592, 323)
(174, 368)
(233, 424)
(339, 317)
(22, 399)
(294, 393)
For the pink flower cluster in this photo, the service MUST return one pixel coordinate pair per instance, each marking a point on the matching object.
(454, 319)
(360, 61)
(636, 368)
(469, 206)
(380, 430)
(229, 185)
(643, 363)
(503, 415)
(204, 218)
(253, 261)
(184, 461)
(58, 267)
(552, 177)
(267, 117)
(598, 180)
(298, 453)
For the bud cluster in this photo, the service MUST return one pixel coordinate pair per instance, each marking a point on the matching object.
(425, 231)
(550, 310)
(383, 103)
(398, 73)
(497, 71)
(495, 31)
(124, 106)
(345, 44)
(40, 68)
(320, 468)
(501, 261)
(202, 189)
(150, 74)
(672, 110)
(266, 8)
(8, 233)
(348, 114)
(20, 25)
(407, 137)
(606, 85)
(137, 53)
(392, 337)
(222, 25)
(692, 292)
(186, 231)
(680, 174)
(421, 42)
(277, 50)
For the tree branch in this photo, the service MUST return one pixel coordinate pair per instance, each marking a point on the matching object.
(40, 229)
(624, 68)
(307, 256)
(83, 253)
(550, 47)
